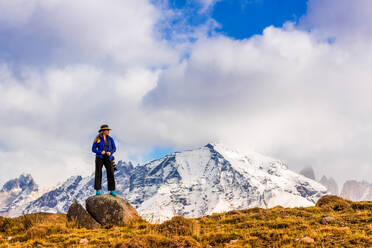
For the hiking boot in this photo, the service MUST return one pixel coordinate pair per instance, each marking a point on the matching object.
(98, 192)
(113, 193)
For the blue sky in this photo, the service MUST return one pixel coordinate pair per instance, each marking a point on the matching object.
(157, 153)
(241, 19)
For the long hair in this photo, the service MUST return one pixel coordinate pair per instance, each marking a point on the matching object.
(97, 139)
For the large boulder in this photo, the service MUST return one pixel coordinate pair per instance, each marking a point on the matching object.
(108, 209)
(77, 213)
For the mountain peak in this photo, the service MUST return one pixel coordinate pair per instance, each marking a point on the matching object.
(308, 172)
(16, 194)
(330, 184)
(219, 145)
(247, 156)
(196, 182)
(23, 182)
(212, 144)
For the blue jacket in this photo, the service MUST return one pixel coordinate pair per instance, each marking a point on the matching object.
(99, 147)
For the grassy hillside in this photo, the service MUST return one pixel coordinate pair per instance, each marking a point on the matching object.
(333, 222)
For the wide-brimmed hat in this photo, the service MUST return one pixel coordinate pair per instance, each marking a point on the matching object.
(104, 127)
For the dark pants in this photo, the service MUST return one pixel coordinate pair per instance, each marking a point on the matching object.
(109, 170)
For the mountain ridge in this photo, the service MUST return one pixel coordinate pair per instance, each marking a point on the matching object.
(193, 183)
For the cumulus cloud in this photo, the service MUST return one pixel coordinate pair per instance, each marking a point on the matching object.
(52, 117)
(67, 67)
(64, 32)
(347, 21)
(290, 93)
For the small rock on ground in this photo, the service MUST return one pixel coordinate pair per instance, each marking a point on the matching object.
(84, 241)
(307, 239)
(328, 219)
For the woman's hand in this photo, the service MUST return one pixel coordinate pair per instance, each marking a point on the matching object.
(109, 153)
(103, 152)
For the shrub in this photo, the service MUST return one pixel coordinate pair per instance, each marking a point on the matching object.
(38, 231)
(220, 238)
(365, 205)
(42, 230)
(145, 241)
(159, 241)
(178, 225)
(333, 202)
(10, 226)
(233, 216)
(183, 241)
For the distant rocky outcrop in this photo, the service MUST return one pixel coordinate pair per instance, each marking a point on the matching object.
(330, 184)
(357, 191)
(16, 194)
(107, 209)
(308, 172)
(23, 182)
(77, 213)
(102, 210)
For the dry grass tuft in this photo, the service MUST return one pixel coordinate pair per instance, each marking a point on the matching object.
(333, 222)
(178, 225)
(159, 241)
(364, 205)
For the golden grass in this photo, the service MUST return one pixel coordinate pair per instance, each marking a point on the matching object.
(255, 227)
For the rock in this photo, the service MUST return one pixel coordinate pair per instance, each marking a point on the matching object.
(328, 219)
(82, 218)
(330, 184)
(307, 240)
(84, 241)
(233, 241)
(108, 209)
(357, 191)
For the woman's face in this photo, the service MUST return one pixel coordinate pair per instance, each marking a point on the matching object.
(106, 132)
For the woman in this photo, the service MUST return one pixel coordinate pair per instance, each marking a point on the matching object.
(104, 147)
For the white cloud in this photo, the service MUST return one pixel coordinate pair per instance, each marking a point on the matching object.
(344, 20)
(207, 4)
(67, 67)
(284, 93)
(88, 31)
(51, 121)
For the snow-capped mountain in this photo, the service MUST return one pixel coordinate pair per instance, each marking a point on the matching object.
(329, 183)
(17, 193)
(77, 187)
(193, 183)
